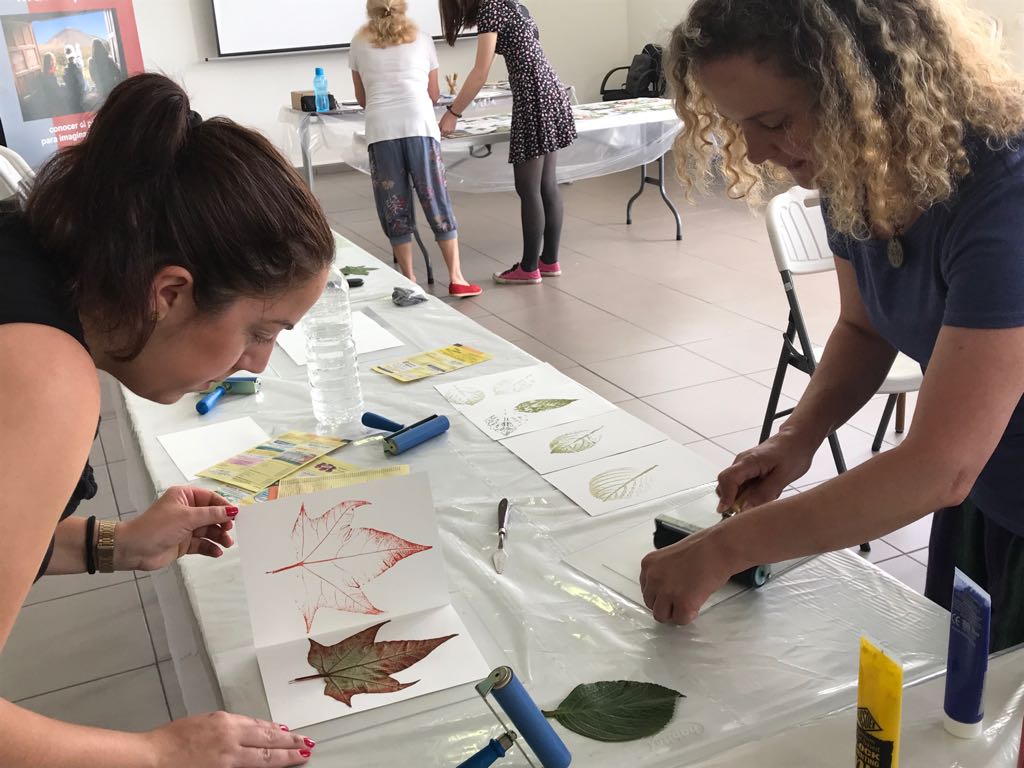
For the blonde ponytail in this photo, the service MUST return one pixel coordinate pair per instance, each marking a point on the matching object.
(388, 25)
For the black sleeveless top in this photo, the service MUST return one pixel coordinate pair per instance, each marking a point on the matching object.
(30, 293)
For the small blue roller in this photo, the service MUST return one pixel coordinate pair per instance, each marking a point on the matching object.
(533, 727)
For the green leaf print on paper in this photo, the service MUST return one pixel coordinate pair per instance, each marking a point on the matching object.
(505, 425)
(468, 396)
(539, 406)
(623, 483)
(576, 442)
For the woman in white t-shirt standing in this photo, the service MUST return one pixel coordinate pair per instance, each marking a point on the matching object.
(394, 70)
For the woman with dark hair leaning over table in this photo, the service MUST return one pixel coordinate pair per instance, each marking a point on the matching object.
(168, 251)
(903, 115)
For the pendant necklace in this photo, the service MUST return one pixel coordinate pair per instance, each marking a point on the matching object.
(895, 248)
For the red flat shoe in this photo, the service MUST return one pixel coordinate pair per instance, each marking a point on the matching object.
(464, 291)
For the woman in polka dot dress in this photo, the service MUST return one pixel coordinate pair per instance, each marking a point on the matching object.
(542, 121)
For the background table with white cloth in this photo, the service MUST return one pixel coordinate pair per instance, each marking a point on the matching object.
(750, 667)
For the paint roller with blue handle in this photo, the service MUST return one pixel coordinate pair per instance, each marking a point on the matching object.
(526, 716)
(236, 385)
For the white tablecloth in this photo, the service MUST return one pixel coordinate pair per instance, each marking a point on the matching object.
(750, 667)
(828, 742)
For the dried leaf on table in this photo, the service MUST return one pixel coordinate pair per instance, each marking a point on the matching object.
(539, 406)
(360, 664)
(576, 442)
(335, 559)
(619, 710)
(617, 484)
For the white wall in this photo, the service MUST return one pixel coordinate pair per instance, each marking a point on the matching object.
(583, 39)
(653, 21)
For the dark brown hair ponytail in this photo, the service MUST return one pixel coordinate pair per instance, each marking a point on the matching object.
(154, 185)
(457, 15)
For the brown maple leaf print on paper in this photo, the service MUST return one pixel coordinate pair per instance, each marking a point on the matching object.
(335, 560)
(360, 664)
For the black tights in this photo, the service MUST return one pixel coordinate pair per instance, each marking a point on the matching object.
(537, 187)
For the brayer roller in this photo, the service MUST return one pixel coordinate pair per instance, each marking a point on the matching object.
(668, 530)
(526, 716)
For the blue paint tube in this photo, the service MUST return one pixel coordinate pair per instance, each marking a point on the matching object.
(969, 627)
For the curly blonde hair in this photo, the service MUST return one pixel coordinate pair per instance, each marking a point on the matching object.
(898, 85)
(388, 25)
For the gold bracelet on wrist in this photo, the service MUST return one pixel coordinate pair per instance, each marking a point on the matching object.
(105, 545)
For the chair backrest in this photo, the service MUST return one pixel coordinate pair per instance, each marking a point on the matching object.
(796, 230)
(15, 174)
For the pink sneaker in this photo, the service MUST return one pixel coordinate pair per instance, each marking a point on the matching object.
(516, 276)
(550, 270)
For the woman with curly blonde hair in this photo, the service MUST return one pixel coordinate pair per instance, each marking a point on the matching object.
(394, 71)
(904, 116)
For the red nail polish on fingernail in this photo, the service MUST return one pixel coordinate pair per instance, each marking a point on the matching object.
(309, 743)
(231, 511)
(285, 728)
(304, 753)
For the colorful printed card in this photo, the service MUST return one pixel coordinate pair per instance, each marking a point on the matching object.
(427, 364)
(271, 461)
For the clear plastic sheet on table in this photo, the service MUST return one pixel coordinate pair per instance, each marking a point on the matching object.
(480, 163)
(750, 667)
(828, 742)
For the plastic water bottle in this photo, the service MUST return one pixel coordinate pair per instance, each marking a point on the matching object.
(323, 102)
(331, 361)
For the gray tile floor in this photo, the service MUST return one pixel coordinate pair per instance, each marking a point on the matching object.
(683, 335)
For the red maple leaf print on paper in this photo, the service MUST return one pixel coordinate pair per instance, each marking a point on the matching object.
(335, 560)
(360, 664)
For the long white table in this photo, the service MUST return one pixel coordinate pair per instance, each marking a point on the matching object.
(828, 742)
(752, 666)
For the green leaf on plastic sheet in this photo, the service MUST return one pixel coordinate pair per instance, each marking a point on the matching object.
(358, 271)
(618, 710)
(539, 406)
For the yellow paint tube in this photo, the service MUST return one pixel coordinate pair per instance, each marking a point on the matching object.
(879, 705)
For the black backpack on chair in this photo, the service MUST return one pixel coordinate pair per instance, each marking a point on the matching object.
(644, 77)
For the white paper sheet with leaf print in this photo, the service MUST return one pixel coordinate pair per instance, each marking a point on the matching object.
(325, 566)
(631, 478)
(521, 401)
(583, 441)
(330, 560)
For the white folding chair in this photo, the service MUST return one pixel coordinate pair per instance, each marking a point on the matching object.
(799, 242)
(15, 174)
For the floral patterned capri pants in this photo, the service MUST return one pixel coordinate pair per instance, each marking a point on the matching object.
(397, 167)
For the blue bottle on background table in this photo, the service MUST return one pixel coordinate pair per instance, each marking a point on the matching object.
(323, 103)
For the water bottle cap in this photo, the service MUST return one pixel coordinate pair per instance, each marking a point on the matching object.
(319, 71)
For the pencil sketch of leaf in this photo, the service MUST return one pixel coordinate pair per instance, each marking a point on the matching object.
(539, 406)
(506, 424)
(576, 442)
(511, 386)
(622, 483)
(335, 560)
(468, 396)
